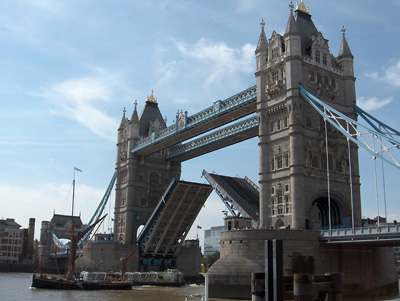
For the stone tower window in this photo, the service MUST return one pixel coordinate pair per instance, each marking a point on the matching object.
(315, 160)
(309, 121)
(143, 202)
(317, 56)
(275, 75)
(141, 177)
(339, 166)
(154, 178)
(324, 59)
(271, 127)
(333, 83)
(279, 161)
(275, 53)
(311, 76)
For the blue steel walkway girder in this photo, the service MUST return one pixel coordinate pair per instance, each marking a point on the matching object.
(187, 127)
(229, 135)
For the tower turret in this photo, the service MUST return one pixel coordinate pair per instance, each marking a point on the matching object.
(134, 124)
(262, 49)
(345, 56)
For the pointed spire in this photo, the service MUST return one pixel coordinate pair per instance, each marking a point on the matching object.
(123, 118)
(135, 118)
(262, 41)
(344, 47)
(291, 28)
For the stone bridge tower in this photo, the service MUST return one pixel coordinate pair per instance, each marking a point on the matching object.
(141, 181)
(293, 153)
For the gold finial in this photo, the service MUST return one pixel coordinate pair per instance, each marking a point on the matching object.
(151, 98)
(302, 7)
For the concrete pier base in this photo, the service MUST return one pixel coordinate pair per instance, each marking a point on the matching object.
(367, 269)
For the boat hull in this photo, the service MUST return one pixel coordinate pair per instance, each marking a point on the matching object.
(155, 283)
(64, 284)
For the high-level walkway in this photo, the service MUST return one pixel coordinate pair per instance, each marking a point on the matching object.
(186, 127)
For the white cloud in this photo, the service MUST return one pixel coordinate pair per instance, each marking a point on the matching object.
(41, 201)
(218, 61)
(372, 103)
(391, 75)
(82, 99)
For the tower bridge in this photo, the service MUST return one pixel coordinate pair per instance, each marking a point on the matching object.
(308, 192)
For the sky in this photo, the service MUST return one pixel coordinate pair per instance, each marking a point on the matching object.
(69, 68)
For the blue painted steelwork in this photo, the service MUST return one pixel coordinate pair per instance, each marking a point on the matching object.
(355, 131)
(234, 208)
(218, 109)
(58, 242)
(380, 127)
(364, 234)
(147, 230)
(100, 209)
(223, 134)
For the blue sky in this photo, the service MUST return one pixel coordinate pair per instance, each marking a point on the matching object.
(68, 68)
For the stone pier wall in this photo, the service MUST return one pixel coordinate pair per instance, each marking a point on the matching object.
(365, 268)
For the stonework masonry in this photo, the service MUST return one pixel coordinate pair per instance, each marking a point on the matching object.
(366, 269)
(298, 152)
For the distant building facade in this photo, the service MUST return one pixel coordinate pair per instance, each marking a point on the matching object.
(60, 225)
(11, 238)
(212, 240)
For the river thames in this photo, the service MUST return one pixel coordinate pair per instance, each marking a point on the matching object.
(16, 286)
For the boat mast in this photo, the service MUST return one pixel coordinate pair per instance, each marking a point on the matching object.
(72, 251)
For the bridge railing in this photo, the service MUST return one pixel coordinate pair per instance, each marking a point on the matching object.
(363, 231)
(219, 107)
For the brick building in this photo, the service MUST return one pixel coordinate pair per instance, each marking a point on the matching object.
(11, 239)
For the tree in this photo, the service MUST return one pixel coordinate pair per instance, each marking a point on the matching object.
(210, 259)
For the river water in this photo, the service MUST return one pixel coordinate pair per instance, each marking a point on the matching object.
(16, 286)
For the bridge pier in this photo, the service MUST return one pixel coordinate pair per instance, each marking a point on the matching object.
(366, 269)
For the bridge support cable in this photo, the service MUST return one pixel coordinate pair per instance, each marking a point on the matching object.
(376, 183)
(327, 174)
(384, 129)
(351, 181)
(358, 133)
(100, 209)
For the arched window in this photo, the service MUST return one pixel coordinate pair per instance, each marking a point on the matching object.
(154, 178)
(317, 56)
